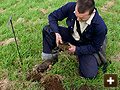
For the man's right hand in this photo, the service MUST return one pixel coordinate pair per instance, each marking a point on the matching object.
(58, 39)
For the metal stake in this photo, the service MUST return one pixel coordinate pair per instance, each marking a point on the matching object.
(10, 21)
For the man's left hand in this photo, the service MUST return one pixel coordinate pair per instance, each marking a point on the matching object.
(71, 49)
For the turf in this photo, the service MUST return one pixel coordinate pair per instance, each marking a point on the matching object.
(29, 18)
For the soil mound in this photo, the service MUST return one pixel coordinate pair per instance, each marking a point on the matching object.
(34, 77)
(53, 82)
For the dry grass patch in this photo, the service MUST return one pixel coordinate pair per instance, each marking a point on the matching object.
(119, 43)
(27, 23)
(4, 84)
(1, 10)
(116, 58)
(19, 20)
(108, 6)
(44, 11)
(33, 9)
(7, 41)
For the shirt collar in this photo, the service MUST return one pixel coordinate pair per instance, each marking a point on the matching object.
(91, 17)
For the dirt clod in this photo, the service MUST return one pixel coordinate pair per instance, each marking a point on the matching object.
(85, 87)
(53, 82)
(63, 46)
(34, 77)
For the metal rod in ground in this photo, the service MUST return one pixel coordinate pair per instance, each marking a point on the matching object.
(10, 21)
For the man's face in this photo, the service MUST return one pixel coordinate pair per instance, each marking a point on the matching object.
(82, 16)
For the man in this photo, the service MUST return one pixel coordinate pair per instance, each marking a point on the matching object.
(85, 33)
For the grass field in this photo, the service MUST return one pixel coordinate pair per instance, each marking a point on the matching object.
(29, 18)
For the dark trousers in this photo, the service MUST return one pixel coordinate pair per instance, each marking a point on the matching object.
(88, 66)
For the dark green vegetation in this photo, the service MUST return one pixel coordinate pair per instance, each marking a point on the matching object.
(29, 18)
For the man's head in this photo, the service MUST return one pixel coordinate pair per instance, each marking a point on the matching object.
(84, 9)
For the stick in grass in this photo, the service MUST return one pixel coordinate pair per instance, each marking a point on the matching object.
(10, 21)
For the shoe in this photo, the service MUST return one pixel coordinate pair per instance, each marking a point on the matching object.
(44, 66)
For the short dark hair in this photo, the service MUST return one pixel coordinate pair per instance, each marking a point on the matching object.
(85, 5)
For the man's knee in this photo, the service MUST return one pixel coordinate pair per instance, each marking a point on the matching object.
(46, 28)
(88, 67)
(90, 75)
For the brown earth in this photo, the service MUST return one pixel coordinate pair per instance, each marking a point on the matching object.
(35, 77)
(85, 87)
(53, 82)
(61, 47)
(64, 46)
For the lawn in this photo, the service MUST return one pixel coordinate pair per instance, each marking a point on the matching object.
(29, 18)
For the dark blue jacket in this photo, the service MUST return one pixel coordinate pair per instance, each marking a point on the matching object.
(94, 33)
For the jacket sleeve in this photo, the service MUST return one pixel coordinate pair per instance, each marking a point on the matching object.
(96, 44)
(59, 15)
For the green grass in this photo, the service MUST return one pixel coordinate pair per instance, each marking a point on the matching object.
(28, 23)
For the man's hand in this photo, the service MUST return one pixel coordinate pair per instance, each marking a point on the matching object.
(58, 39)
(71, 49)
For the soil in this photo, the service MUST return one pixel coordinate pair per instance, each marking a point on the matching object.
(53, 82)
(85, 87)
(61, 47)
(64, 46)
(35, 77)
